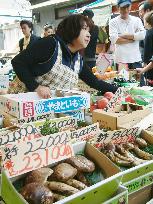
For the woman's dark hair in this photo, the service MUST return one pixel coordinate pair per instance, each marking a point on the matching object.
(149, 18)
(47, 27)
(29, 23)
(69, 28)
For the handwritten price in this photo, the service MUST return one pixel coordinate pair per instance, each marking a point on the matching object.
(29, 155)
(117, 137)
(35, 160)
(85, 133)
(22, 133)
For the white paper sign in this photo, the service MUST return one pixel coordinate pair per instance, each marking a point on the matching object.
(86, 133)
(32, 154)
(117, 98)
(4, 82)
(116, 137)
(26, 131)
(102, 63)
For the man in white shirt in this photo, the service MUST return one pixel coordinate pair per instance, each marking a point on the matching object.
(125, 33)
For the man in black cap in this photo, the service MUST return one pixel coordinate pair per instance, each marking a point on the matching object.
(90, 51)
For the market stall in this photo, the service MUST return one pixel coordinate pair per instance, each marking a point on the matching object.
(68, 160)
(79, 146)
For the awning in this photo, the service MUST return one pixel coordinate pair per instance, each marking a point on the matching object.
(96, 4)
(47, 3)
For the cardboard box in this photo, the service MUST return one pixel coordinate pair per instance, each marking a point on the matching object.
(9, 120)
(113, 121)
(79, 115)
(142, 196)
(29, 104)
(99, 193)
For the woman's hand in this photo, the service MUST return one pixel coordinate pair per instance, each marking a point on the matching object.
(43, 91)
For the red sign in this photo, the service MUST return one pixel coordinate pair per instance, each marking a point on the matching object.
(28, 109)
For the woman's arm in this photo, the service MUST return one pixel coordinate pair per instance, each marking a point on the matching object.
(39, 52)
(146, 68)
(90, 79)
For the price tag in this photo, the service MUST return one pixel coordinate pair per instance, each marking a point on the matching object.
(116, 137)
(25, 132)
(102, 63)
(122, 66)
(60, 123)
(86, 133)
(145, 122)
(32, 154)
(4, 82)
(116, 99)
(34, 118)
(139, 183)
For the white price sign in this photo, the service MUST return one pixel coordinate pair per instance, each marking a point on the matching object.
(116, 137)
(4, 82)
(86, 133)
(28, 155)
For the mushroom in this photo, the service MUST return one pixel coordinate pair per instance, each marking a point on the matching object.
(38, 175)
(37, 193)
(64, 172)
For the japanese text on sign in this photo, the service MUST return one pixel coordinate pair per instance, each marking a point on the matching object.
(36, 118)
(9, 106)
(32, 154)
(66, 104)
(79, 115)
(139, 183)
(86, 133)
(27, 131)
(28, 109)
(116, 137)
(60, 123)
(116, 99)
